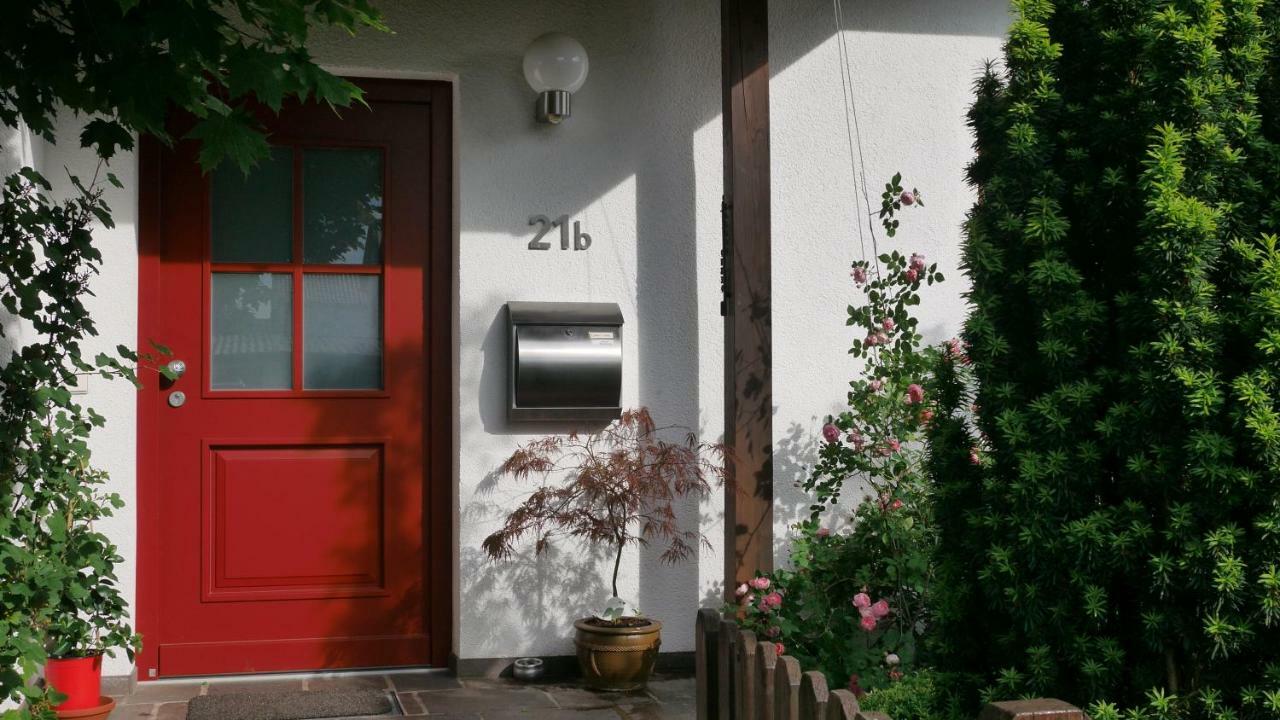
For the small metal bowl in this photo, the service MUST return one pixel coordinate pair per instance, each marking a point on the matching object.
(528, 668)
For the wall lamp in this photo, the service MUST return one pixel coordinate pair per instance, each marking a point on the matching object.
(555, 66)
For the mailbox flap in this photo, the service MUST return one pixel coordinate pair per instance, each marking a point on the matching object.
(564, 313)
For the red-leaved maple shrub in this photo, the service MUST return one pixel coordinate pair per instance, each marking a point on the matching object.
(616, 486)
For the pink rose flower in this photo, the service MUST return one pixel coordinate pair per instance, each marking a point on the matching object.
(974, 459)
(887, 323)
(881, 338)
(917, 262)
(764, 606)
(774, 599)
(875, 385)
(912, 275)
(893, 445)
(831, 432)
(742, 590)
(861, 600)
(906, 198)
(880, 609)
(896, 505)
(915, 394)
(872, 340)
(779, 648)
(759, 583)
(868, 623)
(927, 416)
(859, 275)
(824, 532)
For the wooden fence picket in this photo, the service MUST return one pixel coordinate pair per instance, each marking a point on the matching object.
(742, 678)
(726, 660)
(813, 696)
(786, 689)
(842, 705)
(766, 663)
(706, 650)
(744, 685)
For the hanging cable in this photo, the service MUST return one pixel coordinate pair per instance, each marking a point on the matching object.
(853, 131)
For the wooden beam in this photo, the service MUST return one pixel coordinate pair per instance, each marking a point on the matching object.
(746, 266)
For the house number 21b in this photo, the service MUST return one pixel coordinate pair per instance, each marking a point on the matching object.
(581, 240)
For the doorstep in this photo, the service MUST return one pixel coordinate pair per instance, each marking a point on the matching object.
(430, 694)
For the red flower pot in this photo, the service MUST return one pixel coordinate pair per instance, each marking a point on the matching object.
(79, 678)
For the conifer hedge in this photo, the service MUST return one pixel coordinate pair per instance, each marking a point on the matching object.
(1107, 456)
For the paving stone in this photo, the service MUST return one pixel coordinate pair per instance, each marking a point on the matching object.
(683, 691)
(577, 697)
(608, 713)
(347, 682)
(410, 704)
(133, 712)
(162, 692)
(656, 711)
(172, 711)
(480, 700)
(424, 680)
(219, 687)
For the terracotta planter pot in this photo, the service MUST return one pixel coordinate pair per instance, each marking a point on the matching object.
(79, 678)
(620, 658)
(99, 711)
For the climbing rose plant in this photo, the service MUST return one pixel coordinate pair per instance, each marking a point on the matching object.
(1108, 469)
(852, 604)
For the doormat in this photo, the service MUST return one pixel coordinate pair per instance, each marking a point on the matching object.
(290, 705)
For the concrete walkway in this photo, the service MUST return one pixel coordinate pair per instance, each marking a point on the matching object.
(433, 694)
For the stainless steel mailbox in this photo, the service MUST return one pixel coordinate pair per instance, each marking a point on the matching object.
(566, 361)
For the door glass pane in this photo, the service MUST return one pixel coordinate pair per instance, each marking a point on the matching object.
(342, 206)
(342, 331)
(252, 323)
(252, 216)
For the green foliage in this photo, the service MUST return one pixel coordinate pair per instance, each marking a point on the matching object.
(853, 605)
(126, 66)
(1107, 475)
(58, 593)
(128, 63)
(920, 695)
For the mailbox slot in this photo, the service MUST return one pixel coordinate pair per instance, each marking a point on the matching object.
(565, 361)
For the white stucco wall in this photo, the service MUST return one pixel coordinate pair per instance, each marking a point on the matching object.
(639, 165)
(913, 64)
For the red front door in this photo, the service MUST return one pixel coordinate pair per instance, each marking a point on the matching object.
(289, 489)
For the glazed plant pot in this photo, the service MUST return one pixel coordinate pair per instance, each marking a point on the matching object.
(79, 678)
(99, 711)
(617, 658)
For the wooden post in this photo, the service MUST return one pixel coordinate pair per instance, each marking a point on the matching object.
(1038, 709)
(786, 689)
(813, 696)
(747, 309)
(842, 705)
(744, 674)
(707, 652)
(728, 659)
(766, 662)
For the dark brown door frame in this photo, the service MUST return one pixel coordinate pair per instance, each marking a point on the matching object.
(747, 308)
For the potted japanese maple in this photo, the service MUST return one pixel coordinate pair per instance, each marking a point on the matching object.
(617, 488)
